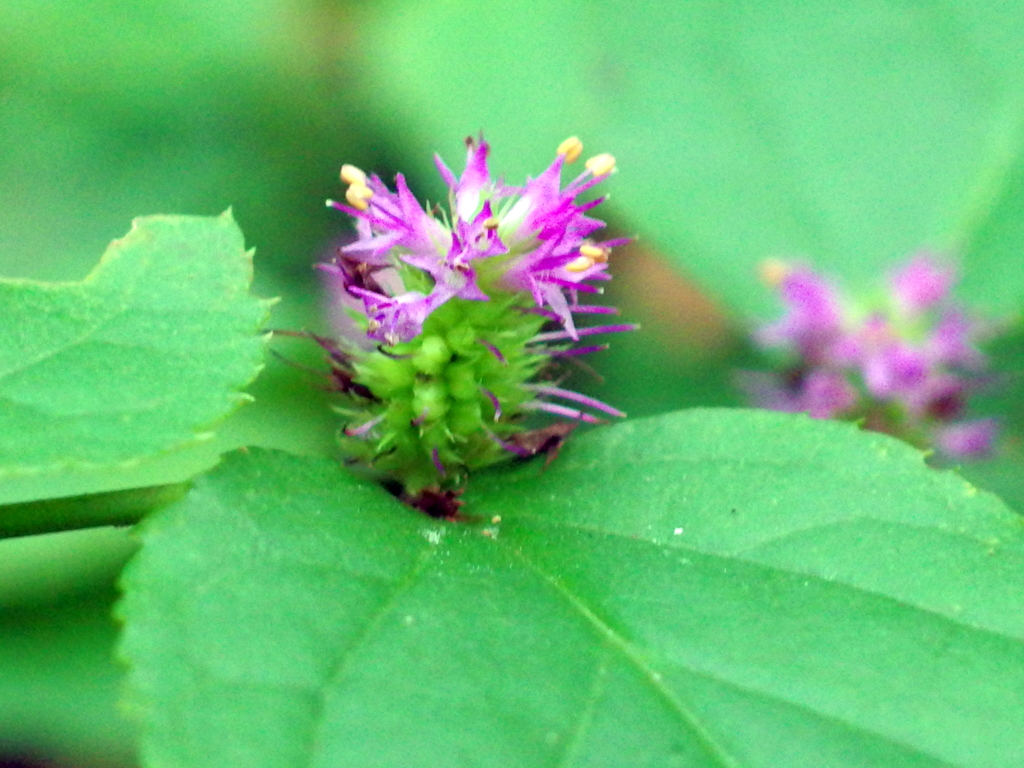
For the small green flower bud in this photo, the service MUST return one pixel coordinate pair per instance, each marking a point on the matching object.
(433, 356)
(464, 417)
(430, 399)
(384, 376)
(462, 381)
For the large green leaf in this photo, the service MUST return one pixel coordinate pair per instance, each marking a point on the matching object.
(847, 133)
(1003, 474)
(713, 588)
(142, 356)
(992, 235)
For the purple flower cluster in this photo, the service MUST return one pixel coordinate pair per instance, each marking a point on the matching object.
(407, 261)
(906, 367)
(453, 323)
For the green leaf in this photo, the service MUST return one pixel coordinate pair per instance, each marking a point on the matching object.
(142, 356)
(707, 588)
(992, 236)
(1003, 473)
(848, 135)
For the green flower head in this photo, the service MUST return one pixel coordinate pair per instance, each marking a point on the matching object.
(458, 316)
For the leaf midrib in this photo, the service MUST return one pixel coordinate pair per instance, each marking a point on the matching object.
(626, 650)
(774, 568)
(87, 334)
(617, 642)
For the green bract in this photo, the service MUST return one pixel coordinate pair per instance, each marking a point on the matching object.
(432, 396)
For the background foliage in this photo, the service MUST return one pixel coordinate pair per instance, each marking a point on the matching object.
(847, 134)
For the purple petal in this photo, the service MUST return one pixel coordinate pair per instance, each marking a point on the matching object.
(435, 456)
(922, 284)
(494, 351)
(399, 318)
(568, 394)
(364, 428)
(895, 369)
(474, 179)
(557, 335)
(813, 319)
(494, 401)
(967, 439)
(951, 342)
(821, 394)
(571, 352)
(560, 410)
(827, 394)
(446, 173)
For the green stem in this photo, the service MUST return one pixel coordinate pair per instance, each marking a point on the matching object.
(117, 508)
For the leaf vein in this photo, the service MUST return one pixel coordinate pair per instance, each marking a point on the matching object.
(586, 717)
(343, 659)
(616, 641)
(1004, 635)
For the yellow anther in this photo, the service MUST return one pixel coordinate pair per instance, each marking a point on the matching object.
(352, 175)
(595, 253)
(358, 196)
(773, 272)
(601, 165)
(580, 264)
(491, 223)
(571, 148)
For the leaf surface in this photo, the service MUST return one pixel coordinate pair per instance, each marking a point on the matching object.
(707, 588)
(991, 235)
(142, 356)
(1003, 473)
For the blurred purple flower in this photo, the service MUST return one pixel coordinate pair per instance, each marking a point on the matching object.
(922, 283)
(813, 320)
(907, 367)
(967, 439)
(820, 393)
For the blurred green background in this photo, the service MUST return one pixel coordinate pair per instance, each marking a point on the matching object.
(846, 133)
